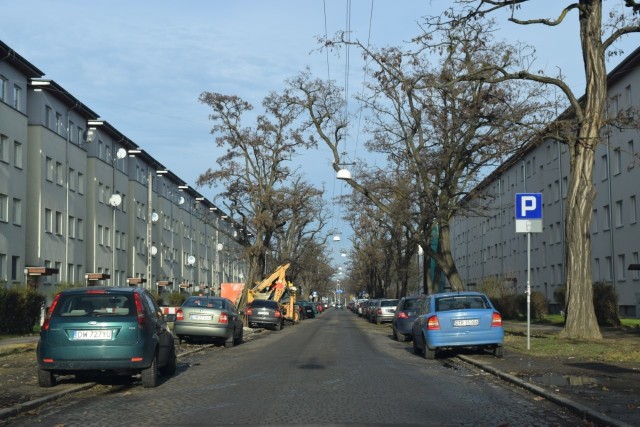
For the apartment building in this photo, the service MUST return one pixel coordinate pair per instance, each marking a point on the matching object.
(82, 203)
(487, 247)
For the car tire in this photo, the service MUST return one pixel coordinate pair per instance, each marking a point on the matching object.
(416, 349)
(278, 326)
(498, 351)
(240, 338)
(46, 378)
(394, 333)
(428, 353)
(229, 342)
(149, 375)
(172, 363)
(377, 321)
(401, 337)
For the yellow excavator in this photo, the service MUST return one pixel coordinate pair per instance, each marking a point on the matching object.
(276, 288)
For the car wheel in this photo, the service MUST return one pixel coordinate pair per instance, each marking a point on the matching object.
(172, 363)
(377, 321)
(150, 375)
(228, 343)
(278, 326)
(401, 337)
(395, 333)
(498, 351)
(416, 349)
(46, 378)
(428, 353)
(240, 336)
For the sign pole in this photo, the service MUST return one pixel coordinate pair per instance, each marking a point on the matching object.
(528, 291)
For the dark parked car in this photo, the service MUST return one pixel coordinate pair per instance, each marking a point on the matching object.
(308, 311)
(403, 317)
(209, 317)
(457, 319)
(105, 330)
(382, 310)
(266, 313)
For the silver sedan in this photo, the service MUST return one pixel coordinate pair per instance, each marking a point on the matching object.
(209, 317)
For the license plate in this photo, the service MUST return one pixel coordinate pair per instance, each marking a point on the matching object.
(466, 322)
(103, 334)
(200, 317)
(263, 313)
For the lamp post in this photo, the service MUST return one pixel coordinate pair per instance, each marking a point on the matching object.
(115, 200)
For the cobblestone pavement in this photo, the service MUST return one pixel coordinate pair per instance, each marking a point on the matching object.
(611, 392)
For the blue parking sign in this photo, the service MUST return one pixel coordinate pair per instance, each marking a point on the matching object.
(528, 206)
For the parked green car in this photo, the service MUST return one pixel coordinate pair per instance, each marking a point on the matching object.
(108, 330)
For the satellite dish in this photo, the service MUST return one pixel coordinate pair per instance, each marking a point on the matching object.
(121, 153)
(154, 250)
(181, 200)
(155, 217)
(89, 135)
(191, 260)
(115, 200)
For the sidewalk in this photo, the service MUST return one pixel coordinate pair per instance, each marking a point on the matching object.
(604, 393)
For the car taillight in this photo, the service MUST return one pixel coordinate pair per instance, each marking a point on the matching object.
(433, 324)
(403, 315)
(179, 315)
(277, 313)
(249, 311)
(224, 318)
(47, 319)
(496, 319)
(379, 311)
(139, 310)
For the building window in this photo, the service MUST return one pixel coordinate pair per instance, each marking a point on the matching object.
(72, 227)
(636, 260)
(80, 229)
(617, 161)
(3, 88)
(3, 267)
(17, 94)
(622, 267)
(100, 235)
(17, 154)
(604, 165)
(619, 216)
(59, 174)
(15, 266)
(609, 268)
(48, 220)
(59, 223)
(607, 218)
(633, 210)
(4, 208)
(48, 164)
(80, 183)
(632, 154)
(628, 96)
(17, 212)
(594, 222)
(72, 179)
(59, 123)
(4, 149)
(80, 133)
(48, 112)
(100, 193)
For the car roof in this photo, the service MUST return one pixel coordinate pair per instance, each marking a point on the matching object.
(108, 289)
(461, 293)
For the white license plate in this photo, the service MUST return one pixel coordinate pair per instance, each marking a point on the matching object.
(466, 322)
(263, 313)
(103, 334)
(200, 317)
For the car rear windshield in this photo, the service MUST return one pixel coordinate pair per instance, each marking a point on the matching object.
(203, 302)
(95, 305)
(461, 302)
(389, 303)
(260, 303)
(412, 303)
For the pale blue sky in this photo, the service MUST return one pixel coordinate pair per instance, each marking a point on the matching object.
(141, 65)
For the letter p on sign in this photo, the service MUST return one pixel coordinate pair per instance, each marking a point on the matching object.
(528, 206)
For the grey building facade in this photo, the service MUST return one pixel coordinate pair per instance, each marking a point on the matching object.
(82, 203)
(487, 247)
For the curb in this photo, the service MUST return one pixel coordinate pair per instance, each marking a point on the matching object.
(575, 407)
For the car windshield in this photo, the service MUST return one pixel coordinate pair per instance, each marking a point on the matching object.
(389, 303)
(411, 303)
(203, 302)
(461, 302)
(95, 305)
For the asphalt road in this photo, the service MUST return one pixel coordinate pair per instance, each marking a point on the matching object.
(335, 369)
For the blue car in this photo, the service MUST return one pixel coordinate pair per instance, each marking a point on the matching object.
(457, 320)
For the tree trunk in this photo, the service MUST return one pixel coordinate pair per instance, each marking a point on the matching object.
(445, 259)
(581, 320)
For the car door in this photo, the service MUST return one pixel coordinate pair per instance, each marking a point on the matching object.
(160, 327)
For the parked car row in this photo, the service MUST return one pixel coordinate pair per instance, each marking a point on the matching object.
(122, 330)
(439, 322)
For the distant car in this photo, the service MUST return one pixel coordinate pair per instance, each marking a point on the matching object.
(403, 317)
(308, 311)
(208, 317)
(108, 330)
(382, 310)
(457, 319)
(265, 313)
(339, 306)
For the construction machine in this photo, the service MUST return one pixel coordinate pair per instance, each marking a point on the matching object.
(277, 288)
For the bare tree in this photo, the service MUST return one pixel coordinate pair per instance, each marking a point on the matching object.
(254, 171)
(588, 113)
(443, 134)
